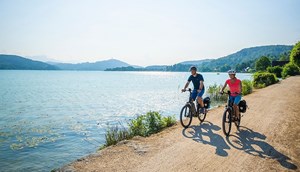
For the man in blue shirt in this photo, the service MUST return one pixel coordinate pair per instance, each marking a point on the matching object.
(199, 89)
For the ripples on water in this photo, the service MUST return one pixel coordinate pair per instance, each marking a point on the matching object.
(49, 118)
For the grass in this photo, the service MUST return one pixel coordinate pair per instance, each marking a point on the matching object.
(143, 125)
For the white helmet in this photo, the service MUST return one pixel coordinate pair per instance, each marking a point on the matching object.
(231, 72)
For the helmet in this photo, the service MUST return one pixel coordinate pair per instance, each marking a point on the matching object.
(231, 72)
(193, 68)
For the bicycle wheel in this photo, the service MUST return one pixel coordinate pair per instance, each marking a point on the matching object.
(238, 122)
(186, 116)
(201, 116)
(226, 123)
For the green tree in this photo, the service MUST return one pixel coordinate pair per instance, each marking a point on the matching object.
(295, 54)
(225, 68)
(262, 63)
(285, 56)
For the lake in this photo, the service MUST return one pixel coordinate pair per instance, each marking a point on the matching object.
(51, 118)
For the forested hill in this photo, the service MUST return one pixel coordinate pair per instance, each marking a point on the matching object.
(239, 60)
(20, 63)
(251, 54)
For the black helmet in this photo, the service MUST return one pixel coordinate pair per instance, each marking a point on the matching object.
(193, 68)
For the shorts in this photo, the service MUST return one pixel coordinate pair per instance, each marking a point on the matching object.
(196, 94)
(236, 99)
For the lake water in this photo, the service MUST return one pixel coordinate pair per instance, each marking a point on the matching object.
(50, 118)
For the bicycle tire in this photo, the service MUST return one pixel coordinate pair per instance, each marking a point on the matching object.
(186, 116)
(201, 116)
(226, 121)
(238, 122)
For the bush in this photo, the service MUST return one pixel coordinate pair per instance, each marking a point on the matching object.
(295, 54)
(143, 125)
(169, 121)
(264, 79)
(116, 134)
(247, 87)
(290, 69)
(150, 123)
(277, 70)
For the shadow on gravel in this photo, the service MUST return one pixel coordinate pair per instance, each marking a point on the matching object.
(253, 143)
(204, 133)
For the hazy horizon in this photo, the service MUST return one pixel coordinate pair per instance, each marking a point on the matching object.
(143, 32)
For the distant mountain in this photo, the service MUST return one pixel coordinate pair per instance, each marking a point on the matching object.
(195, 62)
(42, 58)
(100, 65)
(250, 54)
(239, 61)
(20, 63)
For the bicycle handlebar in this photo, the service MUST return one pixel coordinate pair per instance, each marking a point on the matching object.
(188, 89)
(228, 92)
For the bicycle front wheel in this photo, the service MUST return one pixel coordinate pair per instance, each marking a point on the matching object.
(186, 116)
(226, 122)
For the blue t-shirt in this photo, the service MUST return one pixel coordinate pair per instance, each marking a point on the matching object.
(196, 80)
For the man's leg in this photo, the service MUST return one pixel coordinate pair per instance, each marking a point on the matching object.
(200, 101)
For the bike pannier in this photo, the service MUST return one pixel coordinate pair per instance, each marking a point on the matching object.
(206, 102)
(243, 106)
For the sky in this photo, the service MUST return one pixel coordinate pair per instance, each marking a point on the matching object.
(144, 32)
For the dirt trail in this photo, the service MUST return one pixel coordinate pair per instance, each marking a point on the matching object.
(268, 140)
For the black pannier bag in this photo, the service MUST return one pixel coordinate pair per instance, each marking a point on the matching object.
(206, 102)
(243, 106)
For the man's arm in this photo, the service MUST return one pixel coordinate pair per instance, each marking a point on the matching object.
(201, 86)
(186, 85)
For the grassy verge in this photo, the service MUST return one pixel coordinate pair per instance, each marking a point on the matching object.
(143, 125)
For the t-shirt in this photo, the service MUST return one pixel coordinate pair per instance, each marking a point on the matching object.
(234, 87)
(196, 80)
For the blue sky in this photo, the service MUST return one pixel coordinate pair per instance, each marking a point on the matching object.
(144, 32)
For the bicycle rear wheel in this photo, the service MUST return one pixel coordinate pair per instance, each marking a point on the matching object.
(186, 116)
(201, 116)
(238, 122)
(226, 122)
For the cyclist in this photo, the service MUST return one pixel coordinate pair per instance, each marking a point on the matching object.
(235, 87)
(199, 89)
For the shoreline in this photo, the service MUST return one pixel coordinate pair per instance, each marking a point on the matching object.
(139, 154)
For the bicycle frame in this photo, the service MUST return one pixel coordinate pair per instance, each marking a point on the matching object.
(229, 103)
(191, 103)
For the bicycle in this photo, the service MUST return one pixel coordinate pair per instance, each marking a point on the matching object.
(189, 111)
(228, 116)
